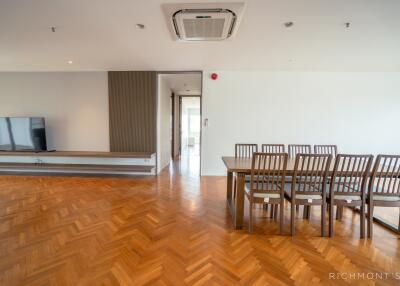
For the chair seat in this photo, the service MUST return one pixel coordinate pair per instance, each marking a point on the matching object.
(386, 198)
(288, 191)
(347, 198)
(260, 195)
(288, 179)
(275, 179)
(247, 178)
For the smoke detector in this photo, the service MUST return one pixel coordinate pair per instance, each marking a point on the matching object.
(203, 22)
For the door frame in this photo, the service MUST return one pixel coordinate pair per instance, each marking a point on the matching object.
(158, 73)
(173, 126)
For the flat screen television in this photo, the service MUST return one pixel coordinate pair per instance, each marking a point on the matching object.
(22, 134)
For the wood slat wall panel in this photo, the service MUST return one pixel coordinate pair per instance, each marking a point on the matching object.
(133, 107)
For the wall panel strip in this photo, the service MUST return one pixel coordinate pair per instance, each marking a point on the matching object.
(133, 107)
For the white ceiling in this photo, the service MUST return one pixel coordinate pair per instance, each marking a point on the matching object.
(183, 84)
(101, 35)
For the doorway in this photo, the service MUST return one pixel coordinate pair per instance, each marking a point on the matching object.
(190, 132)
(179, 122)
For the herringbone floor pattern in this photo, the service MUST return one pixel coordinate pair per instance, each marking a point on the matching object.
(171, 230)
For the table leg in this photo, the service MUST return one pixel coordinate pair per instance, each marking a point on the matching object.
(239, 201)
(229, 199)
(229, 177)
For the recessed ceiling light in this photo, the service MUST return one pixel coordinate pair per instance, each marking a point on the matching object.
(69, 62)
(288, 24)
(140, 26)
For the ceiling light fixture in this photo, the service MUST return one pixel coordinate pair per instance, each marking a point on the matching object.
(69, 62)
(347, 25)
(288, 24)
(140, 26)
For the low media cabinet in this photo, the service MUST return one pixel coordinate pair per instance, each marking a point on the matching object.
(73, 162)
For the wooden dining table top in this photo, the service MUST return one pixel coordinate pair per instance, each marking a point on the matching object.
(243, 165)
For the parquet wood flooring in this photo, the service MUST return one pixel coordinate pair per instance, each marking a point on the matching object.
(171, 230)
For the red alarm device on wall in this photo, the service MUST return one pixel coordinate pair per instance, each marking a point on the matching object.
(214, 76)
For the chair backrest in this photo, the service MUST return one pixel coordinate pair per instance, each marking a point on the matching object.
(273, 148)
(268, 172)
(385, 179)
(310, 174)
(298, 149)
(350, 174)
(326, 149)
(245, 150)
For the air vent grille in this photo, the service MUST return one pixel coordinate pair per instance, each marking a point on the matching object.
(204, 24)
(203, 27)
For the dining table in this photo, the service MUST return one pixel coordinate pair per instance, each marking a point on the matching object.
(242, 167)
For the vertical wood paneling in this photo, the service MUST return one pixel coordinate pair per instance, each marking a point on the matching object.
(132, 103)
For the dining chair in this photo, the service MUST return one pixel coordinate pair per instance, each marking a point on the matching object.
(326, 149)
(293, 150)
(332, 150)
(384, 186)
(273, 148)
(267, 183)
(245, 150)
(308, 186)
(298, 148)
(348, 184)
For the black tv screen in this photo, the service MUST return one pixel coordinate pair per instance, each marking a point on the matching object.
(22, 134)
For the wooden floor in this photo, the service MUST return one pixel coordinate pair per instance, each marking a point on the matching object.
(173, 230)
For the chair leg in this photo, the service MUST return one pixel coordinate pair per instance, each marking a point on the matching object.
(292, 213)
(281, 216)
(276, 211)
(370, 216)
(251, 215)
(271, 215)
(306, 212)
(339, 212)
(331, 220)
(323, 219)
(362, 220)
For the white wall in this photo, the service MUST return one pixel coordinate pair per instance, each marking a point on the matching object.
(360, 112)
(75, 105)
(164, 113)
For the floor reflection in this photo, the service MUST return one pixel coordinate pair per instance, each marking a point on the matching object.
(188, 164)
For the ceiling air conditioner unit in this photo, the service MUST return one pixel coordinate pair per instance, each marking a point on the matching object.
(203, 22)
